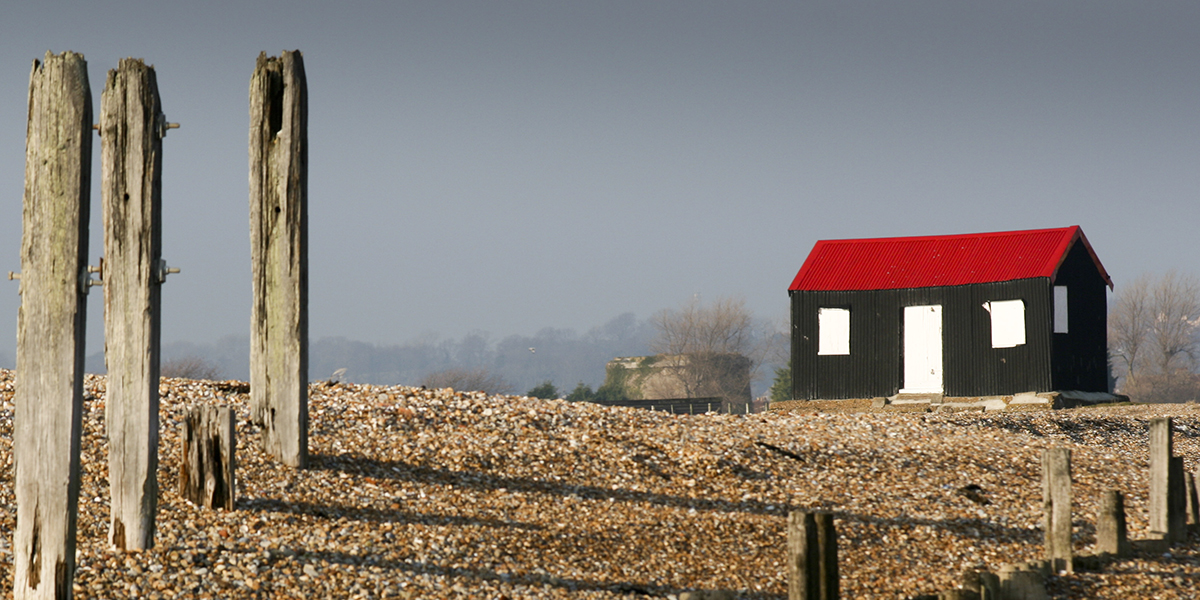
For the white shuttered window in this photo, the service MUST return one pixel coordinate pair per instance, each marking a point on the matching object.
(1008, 322)
(833, 331)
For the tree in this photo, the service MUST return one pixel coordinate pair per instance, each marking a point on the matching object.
(189, 367)
(1129, 325)
(582, 393)
(781, 389)
(1153, 336)
(544, 390)
(468, 380)
(718, 344)
(1175, 300)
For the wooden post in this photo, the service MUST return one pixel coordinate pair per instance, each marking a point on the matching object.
(51, 326)
(804, 557)
(1019, 583)
(207, 472)
(1112, 537)
(830, 583)
(131, 129)
(1177, 492)
(1161, 451)
(279, 255)
(1056, 500)
(1193, 501)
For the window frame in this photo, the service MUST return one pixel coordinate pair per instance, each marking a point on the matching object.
(833, 331)
(1008, 322)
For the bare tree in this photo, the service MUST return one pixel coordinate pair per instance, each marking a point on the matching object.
(715, 344)
(189, 367)
(1153, 338)
(1129, 325)
(472, 380)
(1175, 299)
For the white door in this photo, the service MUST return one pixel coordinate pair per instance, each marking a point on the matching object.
(922, 350)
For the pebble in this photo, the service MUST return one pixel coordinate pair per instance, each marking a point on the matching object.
(416, 493)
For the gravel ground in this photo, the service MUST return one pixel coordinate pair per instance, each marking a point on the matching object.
(437, 494)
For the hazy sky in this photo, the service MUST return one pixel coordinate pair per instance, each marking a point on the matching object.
(507, 166)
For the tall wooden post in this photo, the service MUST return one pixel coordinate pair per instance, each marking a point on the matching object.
(51, 326)
(1056, 501)
(1163, 513)
(279, 255)
(131, 129)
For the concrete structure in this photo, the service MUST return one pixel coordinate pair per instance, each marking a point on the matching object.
(674, 376)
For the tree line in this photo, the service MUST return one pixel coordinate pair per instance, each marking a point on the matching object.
(551, 363)
(1154, 338)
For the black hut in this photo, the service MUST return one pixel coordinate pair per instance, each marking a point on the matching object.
(958, 315)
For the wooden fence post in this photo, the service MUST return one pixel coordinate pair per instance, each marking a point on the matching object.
(131, 129)
(1192, 501)
(1163, 517)
(51, 326)
(1177, 492)
(812, 556)
(279, 255)
(1112, 536)
(803, 556)
(830, 582)
(1056, 500)
(208, 466)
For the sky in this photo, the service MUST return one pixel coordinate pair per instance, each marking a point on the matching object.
(509, 166)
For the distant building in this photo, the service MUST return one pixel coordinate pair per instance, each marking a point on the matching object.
(958, 315)
(717, 377)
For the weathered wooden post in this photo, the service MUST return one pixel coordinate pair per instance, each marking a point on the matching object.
(812, 557)
(1056, 501)
(804, 556)
(827, 545)
(1112, 536)
(131, 129)
(51, 326)
(1162, 508)
(1177, 493)
(1019, 583)
(207, 471)
(279, 255)
(1192, 501)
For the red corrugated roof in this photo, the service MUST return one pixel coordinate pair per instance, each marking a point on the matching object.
(913, 262)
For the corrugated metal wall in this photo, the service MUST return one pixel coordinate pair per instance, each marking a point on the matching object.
(971, 367)
(1081, 354)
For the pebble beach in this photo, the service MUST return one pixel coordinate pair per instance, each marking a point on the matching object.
(416, 493)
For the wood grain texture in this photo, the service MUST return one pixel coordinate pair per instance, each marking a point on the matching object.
(131, 130)
(51, 325)
(803, 556)
(207, 473)
(1162, 448)
(279, 255)
(1056, 502)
